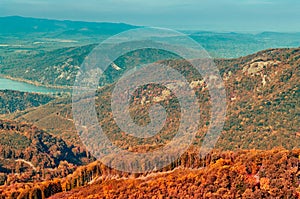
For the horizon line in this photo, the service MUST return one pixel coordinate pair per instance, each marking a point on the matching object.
(175, 27)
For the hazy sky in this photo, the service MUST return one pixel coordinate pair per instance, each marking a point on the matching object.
(220, 15)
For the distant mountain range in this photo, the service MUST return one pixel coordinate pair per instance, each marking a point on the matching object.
(21, 35)
(22, 25)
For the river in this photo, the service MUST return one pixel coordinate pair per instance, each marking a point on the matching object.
(7, 84)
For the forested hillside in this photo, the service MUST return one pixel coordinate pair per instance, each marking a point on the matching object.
(28, 154)
(243, 174)
(263, 108)
(12, 101)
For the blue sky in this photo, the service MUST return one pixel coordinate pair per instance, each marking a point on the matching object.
(217, 15)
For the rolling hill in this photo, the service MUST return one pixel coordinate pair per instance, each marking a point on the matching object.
(263, 108)
(262, 96)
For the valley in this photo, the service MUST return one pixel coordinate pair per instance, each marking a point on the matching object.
(42, 153)
(260, 133)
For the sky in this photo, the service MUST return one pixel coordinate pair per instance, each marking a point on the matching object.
(213, 15)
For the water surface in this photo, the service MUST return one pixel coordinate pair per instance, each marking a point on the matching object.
(7, 84)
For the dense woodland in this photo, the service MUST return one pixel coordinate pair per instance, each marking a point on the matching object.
(28, 154)
(256, 156)
(262, 104)
(242, 174)
(12, 101)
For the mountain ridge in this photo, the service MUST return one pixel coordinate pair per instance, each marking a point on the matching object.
(259, 142)
(31, 25)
